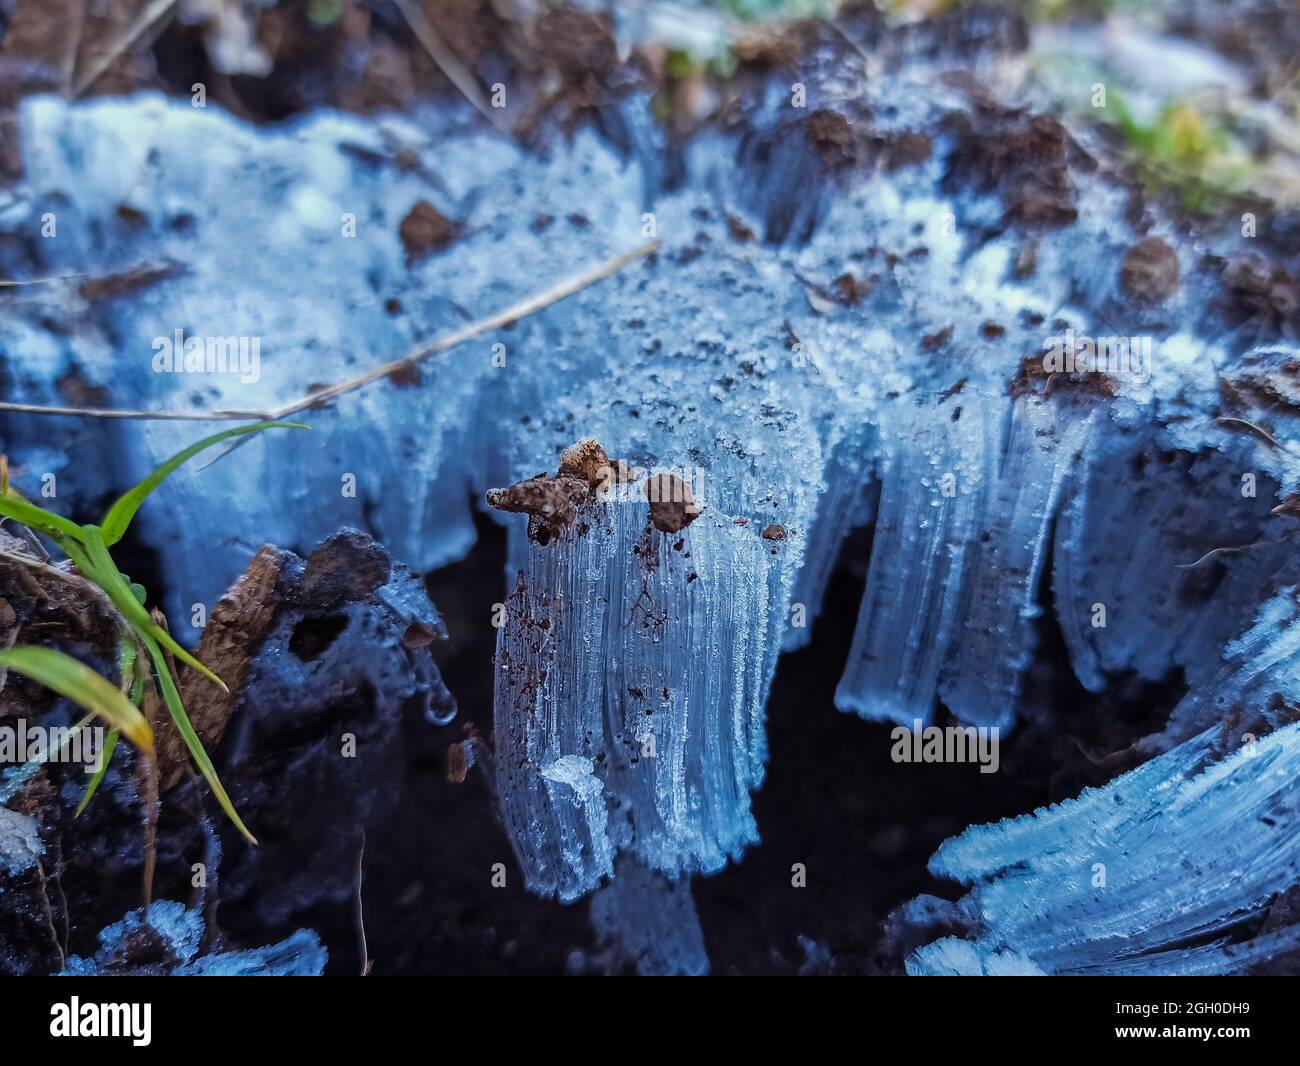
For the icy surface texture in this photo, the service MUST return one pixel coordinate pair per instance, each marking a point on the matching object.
(27, 943)
(1250, 690)
(958, 958)
(20, 843)
(650, 922)
(856, 291)
(175, 933)
(298, 955)
(608, 735)
(1169, 869)
(938, 472)
(1134, 538)
(200, 199)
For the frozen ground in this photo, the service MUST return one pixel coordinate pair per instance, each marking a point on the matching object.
(849, 319)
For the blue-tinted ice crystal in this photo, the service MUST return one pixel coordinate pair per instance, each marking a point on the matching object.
(180, 931)
(814, 352)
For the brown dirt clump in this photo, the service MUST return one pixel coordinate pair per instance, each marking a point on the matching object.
(425, 230)
(739, 231)
(1262, 294)
(1149, 273)
(1258, 388)
(1032, 377)
(346, 568)
(586, 473)
(1025, 158)
(831, 134)
(849, 290)
(586, 459)
(549, 502)
(581, 47)
(907, 149)
(672, 504)
(932, 342)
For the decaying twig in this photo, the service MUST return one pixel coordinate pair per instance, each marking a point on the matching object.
(1229, 420)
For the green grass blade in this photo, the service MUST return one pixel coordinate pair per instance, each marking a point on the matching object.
(110, 746)
(126, 670)
(114, 583)
(126, 666)
(120, 514)
(109, 578)
(79, 683)
(177, 710)
(132, 683)
(15, 507)
(77, 553)
(169, 642)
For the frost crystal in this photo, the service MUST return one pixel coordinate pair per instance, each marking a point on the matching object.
(20, 843)
(601, 707)
(807, 352)
(1120, 878)
(650, 922)
(178, 932)
(1172, 868)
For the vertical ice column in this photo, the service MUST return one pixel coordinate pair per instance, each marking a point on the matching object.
(980, 682)
(849, 500)
(940, 462)
(631, 678)
(1137, 581)
(554, 806)
(650, 922)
